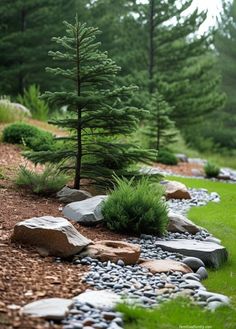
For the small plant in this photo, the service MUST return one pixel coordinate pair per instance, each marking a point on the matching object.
(30, 136)
(9, 113)
(48, 182)
(136, 207)
(211, 170)
(37, 106)
(167, 157)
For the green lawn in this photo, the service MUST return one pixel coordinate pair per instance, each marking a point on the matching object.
(220, 220)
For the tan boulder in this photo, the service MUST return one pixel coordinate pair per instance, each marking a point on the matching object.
(176, 190)
(165, 265)
(54, 236)
(181, 224)
(113, 250)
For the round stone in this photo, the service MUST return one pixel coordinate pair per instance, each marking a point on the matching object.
(194, 263)
(202, 272)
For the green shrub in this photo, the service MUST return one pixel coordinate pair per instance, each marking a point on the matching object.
(48, 182)
(211, 170)
(30, 136)
(31, 99)
(136, 207)
(167, 157)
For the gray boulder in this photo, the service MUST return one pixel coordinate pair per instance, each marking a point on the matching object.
(52, 235)
(48, 308)
(68, 195)
(181, 157)
(210, 253)
(194, 263)
(175, 190)
(202, 272)
(181, 224)
(87, 212)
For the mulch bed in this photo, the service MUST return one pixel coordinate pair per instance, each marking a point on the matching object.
(25, 276)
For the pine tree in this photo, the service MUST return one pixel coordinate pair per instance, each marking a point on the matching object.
(26, 28)
(98, 118)
(160, 129)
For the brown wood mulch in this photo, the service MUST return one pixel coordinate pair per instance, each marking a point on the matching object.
(25, 276)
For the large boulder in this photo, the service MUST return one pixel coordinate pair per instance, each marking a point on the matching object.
(101, 299)
(106, 250)
(48, 308)
(86, 212)
(175, 190)
(68, 195)
(212, 254)
(181, 224)
(164, 266)
(53, 235)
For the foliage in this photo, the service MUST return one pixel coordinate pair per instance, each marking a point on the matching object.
(160, 129)
(30, 136)
(8, 113)
(220, 220)
(31, 99)
(98, 116)
(211, 170)
(177, 313)
(48, 182)
(135, 208)
(167, 157)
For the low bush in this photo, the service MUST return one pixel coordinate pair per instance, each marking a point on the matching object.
(37, 106)
(30, 136)
(8, 113)
(211, 170)
(48, 182)
(167, 157)
(135, 208)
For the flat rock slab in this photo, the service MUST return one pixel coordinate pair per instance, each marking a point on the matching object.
(106, 250)
(49, 308)
(87, 212)
(164, 266)
(212, 254)
(54, 236)
(101, 299)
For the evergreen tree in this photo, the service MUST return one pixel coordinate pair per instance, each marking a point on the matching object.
(26, 28)
(160, 129)
(98, 117)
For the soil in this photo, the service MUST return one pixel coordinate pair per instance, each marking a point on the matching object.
(26, 276)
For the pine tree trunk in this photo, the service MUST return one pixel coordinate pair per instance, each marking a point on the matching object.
(20, 75)
(151, 45)
(79, 115)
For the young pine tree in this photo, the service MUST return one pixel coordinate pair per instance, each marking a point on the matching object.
(98, 117)
(161, 130)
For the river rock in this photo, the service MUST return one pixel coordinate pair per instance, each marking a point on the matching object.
(202, 272)
(86, 212)
(52, 235)
(210, 253)
(181, 224)
(164, 266)
(68, 195)
(194, 263)
(49, 308)
(101, 299)
(114, 251)
(175, 190)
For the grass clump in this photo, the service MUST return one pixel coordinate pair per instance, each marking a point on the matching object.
(135, 208)
(178, 313)
(48, 182)
(8, 113)
(167, 157)
(30, 136)
(211, 170)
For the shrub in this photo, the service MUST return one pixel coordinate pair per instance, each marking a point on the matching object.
(167, 157)
(136, 208)
(48, 182)
(31, 99)
(211, 170)
(30, 136)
